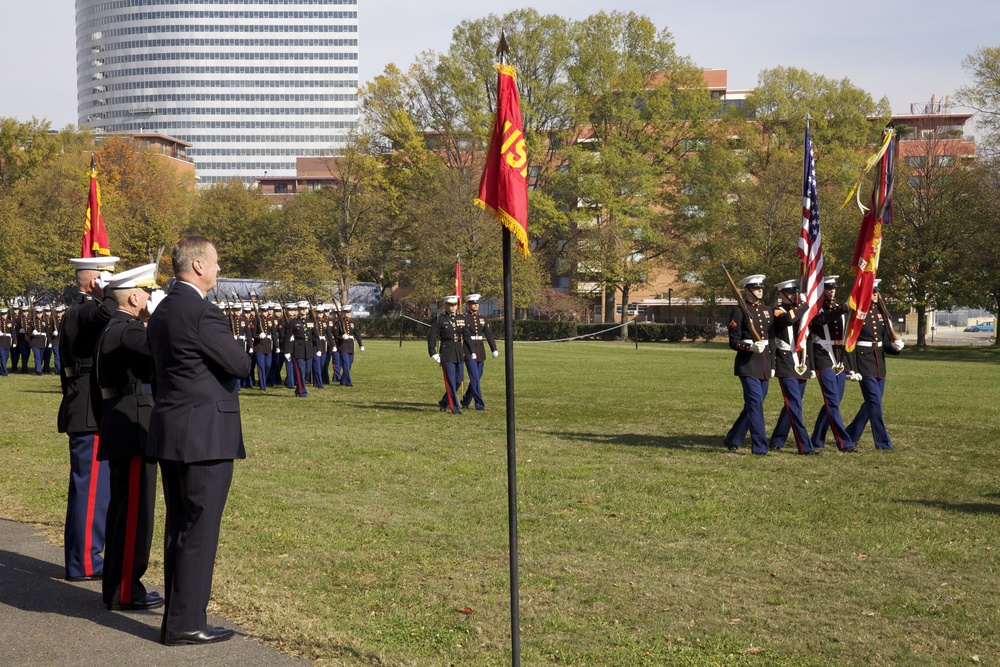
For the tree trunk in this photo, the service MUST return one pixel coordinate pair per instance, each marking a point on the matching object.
(609, 305)
(625, 295)
(921, 325)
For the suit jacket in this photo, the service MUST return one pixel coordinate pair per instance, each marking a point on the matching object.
(121, 365)
(197, 368)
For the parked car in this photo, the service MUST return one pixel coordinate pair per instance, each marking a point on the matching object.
(979, 328)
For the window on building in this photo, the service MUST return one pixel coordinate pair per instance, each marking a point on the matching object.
(944, 161)
(916, 161)
(281, 188)
(696, 145)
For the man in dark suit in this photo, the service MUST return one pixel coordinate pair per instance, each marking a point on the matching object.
(87, 501)
(123, 400)
(194, 434)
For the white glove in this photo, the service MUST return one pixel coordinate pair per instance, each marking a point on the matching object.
(772, 372)
(812, 375)
(34, 332)
(759, 346)
(436, 357)
(291, 338)
(362, 348)
(154, 300)
(103, 279)
(262, 335)
(55, 332)
(277, 350)
(319, 354)
(242, 337)
(854, 377)
(496, 353)
(334, 349)
(473, 356)
(288, 356)
(897, 344)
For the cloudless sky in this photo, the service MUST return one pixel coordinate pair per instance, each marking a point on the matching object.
(904, 50)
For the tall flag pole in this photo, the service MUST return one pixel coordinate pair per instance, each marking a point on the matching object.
(810, 244)
(503, 192)
(868, 247)
(458, 275)
(95, 236)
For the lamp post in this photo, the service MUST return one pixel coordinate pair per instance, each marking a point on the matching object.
(670, 294)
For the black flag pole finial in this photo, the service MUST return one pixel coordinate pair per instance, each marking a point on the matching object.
(502, 48)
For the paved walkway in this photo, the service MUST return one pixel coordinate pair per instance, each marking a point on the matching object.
(46, 621)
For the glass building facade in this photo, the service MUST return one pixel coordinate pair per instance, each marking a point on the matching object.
(251, 84)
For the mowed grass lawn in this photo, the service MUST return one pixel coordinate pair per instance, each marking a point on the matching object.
(367, 528)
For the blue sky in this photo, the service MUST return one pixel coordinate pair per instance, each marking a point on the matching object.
(905, 51)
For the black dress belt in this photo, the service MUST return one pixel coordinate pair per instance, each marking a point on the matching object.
(69, 371)
(137, 389)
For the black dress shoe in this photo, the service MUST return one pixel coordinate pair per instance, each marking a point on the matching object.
(850, 450)
(152, 600)
(812, 453)
(209, 635)
(87, 577)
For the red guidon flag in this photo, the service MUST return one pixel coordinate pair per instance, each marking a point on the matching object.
(95, 236)
(868, 247)
(503, 190)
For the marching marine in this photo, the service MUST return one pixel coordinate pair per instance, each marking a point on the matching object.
(791, 368)
(477, 331)
(827, 333)
(346, 334)
(448, 330)
(867, 366)
(750, 337)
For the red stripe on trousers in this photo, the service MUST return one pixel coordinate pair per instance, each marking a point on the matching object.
(88, 526)
(131, 520)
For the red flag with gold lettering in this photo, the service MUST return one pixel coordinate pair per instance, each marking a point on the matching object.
(95, 236)
(503, 189)
(868, 247)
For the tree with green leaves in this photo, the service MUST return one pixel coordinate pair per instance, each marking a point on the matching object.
(983, 95)
(239, 221)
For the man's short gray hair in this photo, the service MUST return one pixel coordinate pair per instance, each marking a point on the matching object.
(186, 251)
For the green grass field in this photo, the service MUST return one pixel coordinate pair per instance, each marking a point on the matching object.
(365, 526)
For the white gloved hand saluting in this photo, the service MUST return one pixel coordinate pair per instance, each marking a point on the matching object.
(897, 344)
(436, 357)
(102, 280)
(759, 346)
(154, 300)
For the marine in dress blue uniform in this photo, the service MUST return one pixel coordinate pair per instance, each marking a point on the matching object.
(753, 365)
(347, 337)
(300, 348)
(867, 364)
(7, 338)
(791, 368)
(89, 490)
(444, 344)
(123, 401)
(477, 332)
(827, 334)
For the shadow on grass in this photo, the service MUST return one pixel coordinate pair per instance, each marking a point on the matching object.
(42, 391)
(700, 443)
(968, 508)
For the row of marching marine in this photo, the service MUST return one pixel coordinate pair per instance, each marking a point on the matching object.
(458, 342)
(764, 338)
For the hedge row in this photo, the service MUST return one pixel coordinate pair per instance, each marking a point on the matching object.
(389, 327)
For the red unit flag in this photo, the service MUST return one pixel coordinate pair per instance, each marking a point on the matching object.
(95, 236)
(503, 189)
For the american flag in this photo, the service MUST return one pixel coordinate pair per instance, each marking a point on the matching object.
(810, 245)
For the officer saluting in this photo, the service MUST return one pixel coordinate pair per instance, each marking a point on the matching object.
(477, 331)
(753, 364)
(867, 366)
(123, 401)
(449, 330)
(87, 503)
(791, 368)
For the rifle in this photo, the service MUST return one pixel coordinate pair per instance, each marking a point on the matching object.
(256, 310)
(229, 316)
(742, 304)
(893, 336)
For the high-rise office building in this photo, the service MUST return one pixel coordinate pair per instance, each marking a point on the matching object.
(251, 84)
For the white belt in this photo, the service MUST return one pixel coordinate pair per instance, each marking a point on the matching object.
(477, 337)
(347, 337)
(783, 346)
(824, 341)
(747, 341)
(868, 343)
